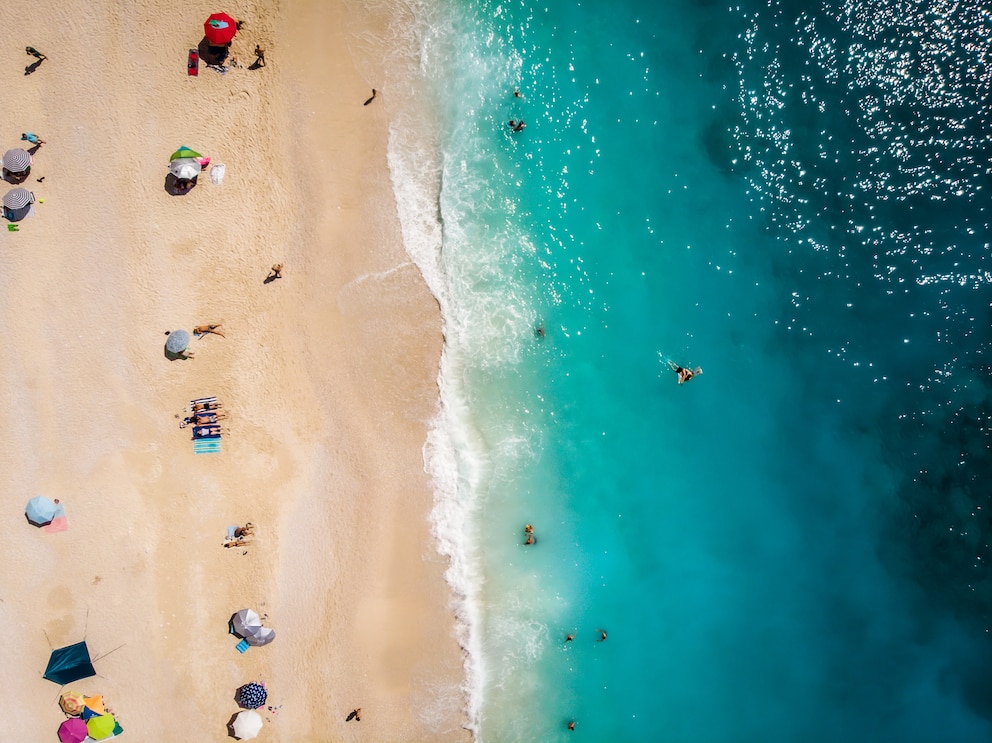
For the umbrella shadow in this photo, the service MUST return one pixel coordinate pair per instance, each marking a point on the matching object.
(230, 725)
(209, 54)
(178, 187)
(33, 67)
(16, 178)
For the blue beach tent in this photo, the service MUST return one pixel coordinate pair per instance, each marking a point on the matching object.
(69, 664)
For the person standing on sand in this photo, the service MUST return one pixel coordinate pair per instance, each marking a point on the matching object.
(259, 57)
(275, 272)
(355, 714)
(32, 138)
(374, 94)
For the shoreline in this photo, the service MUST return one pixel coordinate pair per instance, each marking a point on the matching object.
(329, 374)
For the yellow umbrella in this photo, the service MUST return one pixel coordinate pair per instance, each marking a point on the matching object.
(101, 727)
(72, 702)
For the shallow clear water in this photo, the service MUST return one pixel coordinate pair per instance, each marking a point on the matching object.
(793, 196)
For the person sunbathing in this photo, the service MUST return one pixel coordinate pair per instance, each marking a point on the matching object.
(197, 407)
(204, 329)
(206, 431)
(245, 531)
(203, 419)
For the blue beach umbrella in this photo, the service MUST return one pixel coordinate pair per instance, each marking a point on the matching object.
(252, 695)
(178, 341)
(41, 510)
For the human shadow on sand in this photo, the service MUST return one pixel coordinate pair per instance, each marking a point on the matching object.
(178, 186)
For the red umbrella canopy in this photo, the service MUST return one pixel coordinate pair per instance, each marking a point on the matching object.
(220, 29)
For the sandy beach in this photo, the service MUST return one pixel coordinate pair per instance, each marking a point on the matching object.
(328, 376)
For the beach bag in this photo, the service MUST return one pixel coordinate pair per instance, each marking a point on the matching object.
(217, 173)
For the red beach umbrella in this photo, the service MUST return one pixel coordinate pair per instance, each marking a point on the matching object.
(220, 29)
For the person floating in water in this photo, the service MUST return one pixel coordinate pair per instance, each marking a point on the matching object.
(684, 374)
(516, 126)
(529, 531)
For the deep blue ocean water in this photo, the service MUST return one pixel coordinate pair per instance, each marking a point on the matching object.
(794, 196)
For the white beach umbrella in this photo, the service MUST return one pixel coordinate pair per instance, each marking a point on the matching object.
(246, 622)
(247, 725)
(185, 167)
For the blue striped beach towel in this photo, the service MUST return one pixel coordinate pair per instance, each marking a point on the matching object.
(206, 446)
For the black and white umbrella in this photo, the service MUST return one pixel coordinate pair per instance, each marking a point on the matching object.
(177, 342)
(17, 198)
(16, 160)
(252, 695)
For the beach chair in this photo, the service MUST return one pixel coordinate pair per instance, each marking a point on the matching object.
(242, 646)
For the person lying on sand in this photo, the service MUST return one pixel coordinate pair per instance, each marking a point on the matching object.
(684, 374)
(206, 406)
(204, 329)
(204, 431)
(236, 543)
(245, 531)
(203, 419)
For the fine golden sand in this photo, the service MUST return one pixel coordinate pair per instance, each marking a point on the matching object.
(328, 376)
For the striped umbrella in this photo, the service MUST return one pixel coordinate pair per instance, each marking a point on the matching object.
(72, 703)
(178, 341)
(247, 724)
(16, 160)
(219, 29)
(17, 198)
(73, 730)
(252, 695)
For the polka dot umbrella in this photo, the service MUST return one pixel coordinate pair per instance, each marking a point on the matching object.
(252, 695)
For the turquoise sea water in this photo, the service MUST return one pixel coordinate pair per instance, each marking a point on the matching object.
(793, 196)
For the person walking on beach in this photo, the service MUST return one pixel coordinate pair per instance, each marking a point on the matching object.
(684, 374)
(274, 273)
(35, 53)
(204, 329)
(355, 714)
(374, 94)
(259, 57)
(32, 138)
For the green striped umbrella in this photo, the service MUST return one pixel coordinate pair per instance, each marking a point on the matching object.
(184, 152)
